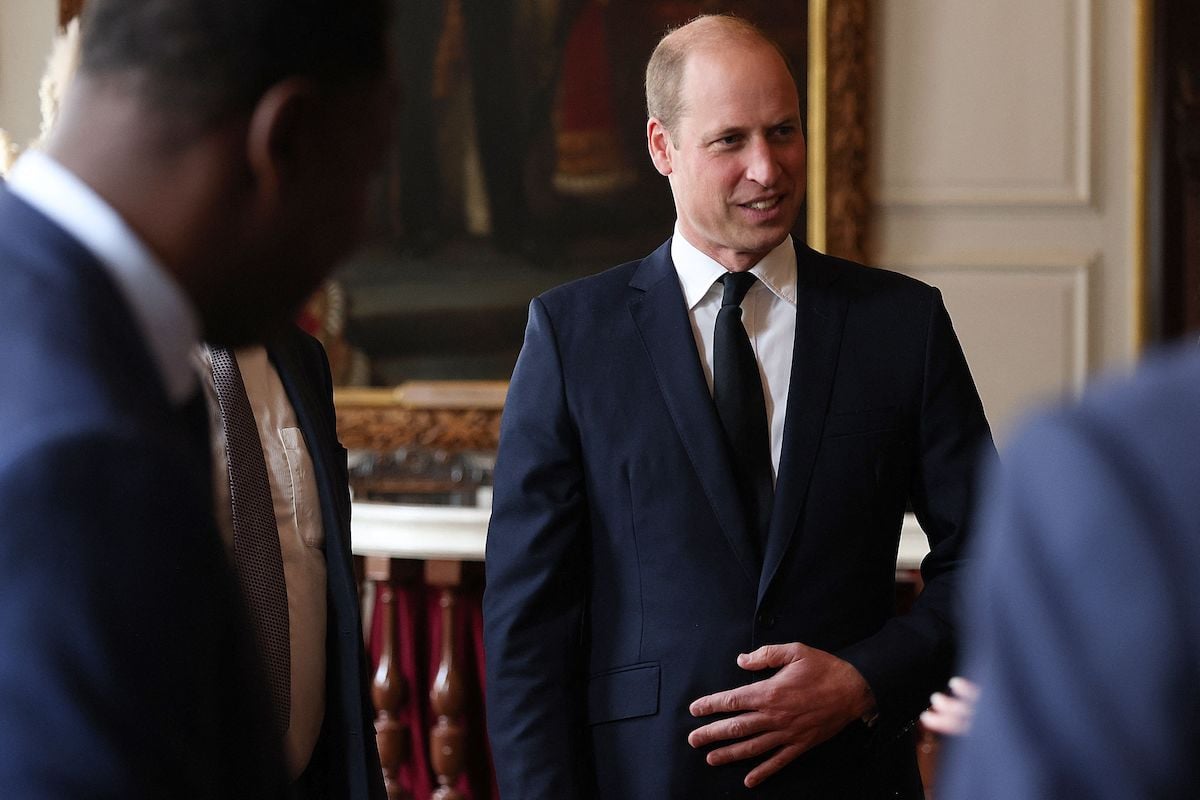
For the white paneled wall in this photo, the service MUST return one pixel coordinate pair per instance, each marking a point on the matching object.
(1003, 156)
(1023, 327)
(27, 29)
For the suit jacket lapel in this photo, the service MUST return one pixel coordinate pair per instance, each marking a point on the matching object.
(820, 317)
(661, 318)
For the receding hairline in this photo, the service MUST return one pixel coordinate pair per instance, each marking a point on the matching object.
(709, 31)
(706, 34)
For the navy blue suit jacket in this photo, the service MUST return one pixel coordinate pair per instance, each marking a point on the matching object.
(346, 759)
(622, 579)
(1084, 630)
(126, 667)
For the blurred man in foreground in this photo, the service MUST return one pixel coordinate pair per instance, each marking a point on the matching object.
(1084, 630)
(208, 167)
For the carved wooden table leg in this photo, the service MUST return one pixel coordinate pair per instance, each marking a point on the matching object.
(389, 689)
(447, 697)
(366, 602)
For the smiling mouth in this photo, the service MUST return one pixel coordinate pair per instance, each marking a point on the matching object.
(763, 205)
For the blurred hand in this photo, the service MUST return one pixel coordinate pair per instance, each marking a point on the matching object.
(811, 698)
(950, 715)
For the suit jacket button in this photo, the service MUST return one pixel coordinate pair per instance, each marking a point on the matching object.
(766, 621)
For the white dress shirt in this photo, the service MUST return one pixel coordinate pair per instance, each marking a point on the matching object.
(768, 313)
(163, 313)
(301, 534)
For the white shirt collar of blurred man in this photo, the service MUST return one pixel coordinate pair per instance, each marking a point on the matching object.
(165, 315)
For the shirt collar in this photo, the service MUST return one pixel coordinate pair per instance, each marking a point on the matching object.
(163, 312)
(698, 272)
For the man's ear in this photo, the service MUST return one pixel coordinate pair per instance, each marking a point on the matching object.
(277, 139)
(658, 141)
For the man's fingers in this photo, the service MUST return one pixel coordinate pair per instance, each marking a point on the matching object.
(940, 723)
(766, 769)
(740, 699)
(770, 655)
(948, 716)
(746, 698)
(948, 706)
(965, 689)
(748, 748)
(738, 727)
(951, 715)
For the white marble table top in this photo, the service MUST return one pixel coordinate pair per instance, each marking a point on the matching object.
(458, 534)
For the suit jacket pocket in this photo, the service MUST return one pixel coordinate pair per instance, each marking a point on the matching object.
(623, 693)
(302, 481)
(856, 423)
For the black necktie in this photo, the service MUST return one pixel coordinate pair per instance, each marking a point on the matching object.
(255, 532)
(738, 394)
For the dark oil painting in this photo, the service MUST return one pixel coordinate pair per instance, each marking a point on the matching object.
(519, 163)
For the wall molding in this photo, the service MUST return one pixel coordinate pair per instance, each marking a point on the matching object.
(1076, 188)
(1076, 268)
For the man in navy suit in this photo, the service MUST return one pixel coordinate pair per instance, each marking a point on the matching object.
(209, 165)
(1084, 631)
(661, 623)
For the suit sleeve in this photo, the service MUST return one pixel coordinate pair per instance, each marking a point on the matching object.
(1082, 632)
(333, 453)
(536, 587)
(912, 655)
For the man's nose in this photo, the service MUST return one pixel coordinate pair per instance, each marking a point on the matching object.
(762, 166)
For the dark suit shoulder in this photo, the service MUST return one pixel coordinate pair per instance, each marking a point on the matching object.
(1167, 382)
(1147, 412)
(858, 277)
(67, 332)
(894, 308)
(591, 309)
(1148, 424)
(611, 284)
(302, 342)
(294, 349)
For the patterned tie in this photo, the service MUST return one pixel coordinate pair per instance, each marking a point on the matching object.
(255, 534)
(738, 394)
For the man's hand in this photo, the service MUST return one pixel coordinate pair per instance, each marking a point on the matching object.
(950, 714)
(813, 696)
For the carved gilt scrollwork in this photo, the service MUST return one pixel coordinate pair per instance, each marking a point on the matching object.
(459, 418)
(849, 70)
